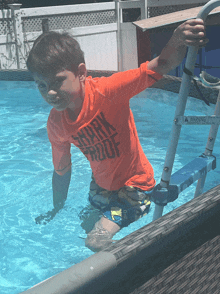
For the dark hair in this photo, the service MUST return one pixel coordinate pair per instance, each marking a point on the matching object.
(54, 52)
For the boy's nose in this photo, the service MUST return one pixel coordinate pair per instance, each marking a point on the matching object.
(52, 92)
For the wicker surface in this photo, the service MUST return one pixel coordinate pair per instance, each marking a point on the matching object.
(15, 75)
(172, 83)
(178, 253)
(24, 75)
(172, 226)
(197, 272)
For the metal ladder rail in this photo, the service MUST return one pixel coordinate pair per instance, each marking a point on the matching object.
(200, 166)
(196, 169)
(209, 146)
(180, 109)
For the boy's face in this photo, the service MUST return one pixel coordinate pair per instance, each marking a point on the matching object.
(62, 90)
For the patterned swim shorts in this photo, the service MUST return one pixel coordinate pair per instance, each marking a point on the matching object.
(122, 206)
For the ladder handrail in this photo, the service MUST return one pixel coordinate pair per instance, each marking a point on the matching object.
(180, 108)
(183, 95)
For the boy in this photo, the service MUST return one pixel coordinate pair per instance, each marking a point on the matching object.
(94, 115)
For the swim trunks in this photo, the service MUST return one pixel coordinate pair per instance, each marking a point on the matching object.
(122, 206)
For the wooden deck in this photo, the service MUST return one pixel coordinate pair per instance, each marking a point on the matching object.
(176, 18)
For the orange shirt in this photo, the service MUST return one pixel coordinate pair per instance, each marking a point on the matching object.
(105, 131)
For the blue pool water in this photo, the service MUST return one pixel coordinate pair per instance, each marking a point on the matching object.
(30, 253)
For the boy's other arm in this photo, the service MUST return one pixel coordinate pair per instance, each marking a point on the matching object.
(190, 33)
(60, 185)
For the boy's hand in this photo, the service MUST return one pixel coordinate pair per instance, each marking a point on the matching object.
(190, 33)
(45, 218)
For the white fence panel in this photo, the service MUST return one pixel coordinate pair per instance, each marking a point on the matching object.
(98, 42)
(129, 46)
(53, 10)
(100, 49)
(7, 48)
(7, 52)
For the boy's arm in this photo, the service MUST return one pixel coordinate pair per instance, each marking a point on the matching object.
(190, 33)
(60, 186)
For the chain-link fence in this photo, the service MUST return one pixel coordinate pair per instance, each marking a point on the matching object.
(6, 26)
(75, 20)
(69, 21)
(156, 11)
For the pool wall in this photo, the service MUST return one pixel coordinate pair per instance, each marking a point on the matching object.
(25, 75)
(179, 252)
(168, 83)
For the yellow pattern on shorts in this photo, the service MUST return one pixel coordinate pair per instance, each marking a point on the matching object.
(116, 211)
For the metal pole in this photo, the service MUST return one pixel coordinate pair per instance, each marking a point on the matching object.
(158, 211)
(45, 25)
(119, 19)
(144, 9)
(16, 18)
(209, 147)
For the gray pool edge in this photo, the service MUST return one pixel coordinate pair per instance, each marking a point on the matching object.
(72, 279)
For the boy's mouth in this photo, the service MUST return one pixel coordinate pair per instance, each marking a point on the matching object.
(55, 101)
(57, 104)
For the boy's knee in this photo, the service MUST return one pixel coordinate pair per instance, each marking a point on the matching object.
(98, 238)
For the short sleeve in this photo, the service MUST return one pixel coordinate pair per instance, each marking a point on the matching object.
(127, 84)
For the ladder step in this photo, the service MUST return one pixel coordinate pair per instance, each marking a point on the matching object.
(183, 178)
(193, 171)
(197, 120)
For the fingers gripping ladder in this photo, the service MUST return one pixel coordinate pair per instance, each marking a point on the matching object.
(170, 186)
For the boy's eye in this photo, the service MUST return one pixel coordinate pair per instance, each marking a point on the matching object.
(58, 83)
(42, 86)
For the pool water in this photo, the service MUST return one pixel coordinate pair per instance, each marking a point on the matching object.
(30, 253)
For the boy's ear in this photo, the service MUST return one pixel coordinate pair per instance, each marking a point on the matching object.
(82, 72)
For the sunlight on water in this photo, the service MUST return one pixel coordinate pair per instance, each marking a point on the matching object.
(31, 253)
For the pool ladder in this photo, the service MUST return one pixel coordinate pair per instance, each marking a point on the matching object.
(171, 186)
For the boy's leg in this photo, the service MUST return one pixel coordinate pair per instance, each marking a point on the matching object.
(101, 235)
(89, 216)
(120, 208)
(104, 229)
